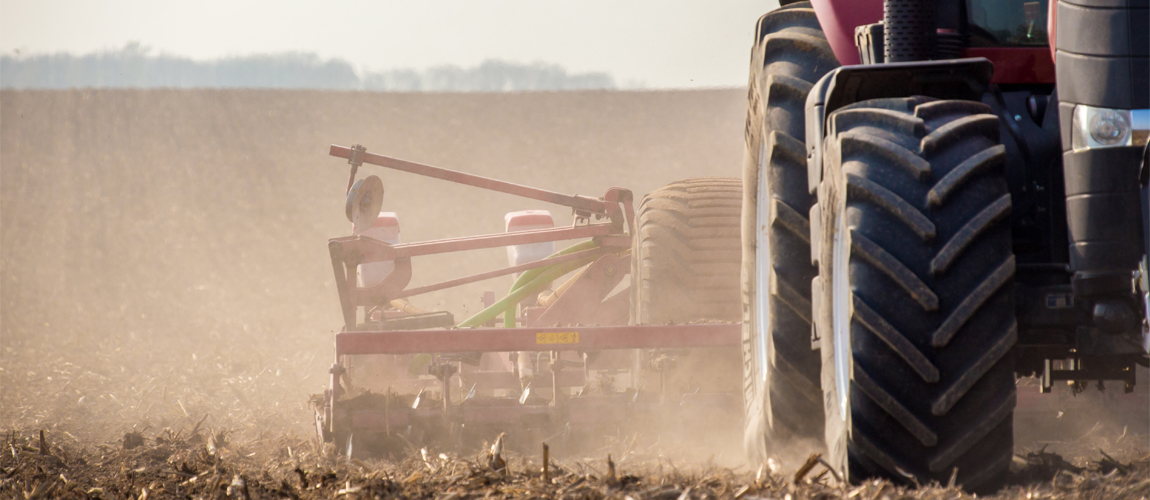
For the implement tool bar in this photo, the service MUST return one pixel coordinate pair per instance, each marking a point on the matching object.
(579, 338)
(581, 203)
(410, 292)
(500, 240)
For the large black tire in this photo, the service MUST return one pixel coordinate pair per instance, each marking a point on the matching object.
(781, 394)
(915, 301)
(685, 267)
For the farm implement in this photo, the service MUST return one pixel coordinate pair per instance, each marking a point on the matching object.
(559, 362)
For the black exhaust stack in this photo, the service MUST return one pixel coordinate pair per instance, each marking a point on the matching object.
(908, 30)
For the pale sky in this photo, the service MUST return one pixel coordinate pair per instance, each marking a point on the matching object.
(663, 44)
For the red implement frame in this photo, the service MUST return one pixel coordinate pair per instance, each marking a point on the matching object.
(578, 338)
(347, 253)
(577, 410)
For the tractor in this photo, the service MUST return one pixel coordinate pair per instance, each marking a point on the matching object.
(939, 197)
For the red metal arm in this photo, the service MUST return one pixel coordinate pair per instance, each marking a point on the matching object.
(361, 249)
(500, 272)
(581, 338)
(580, 203)
(500, 240)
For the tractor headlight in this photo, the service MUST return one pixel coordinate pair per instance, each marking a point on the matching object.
(1107, 128)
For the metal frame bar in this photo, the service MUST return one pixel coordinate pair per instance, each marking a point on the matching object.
(580, 203)
(500, 240)
(579, 338)
(367, 250)
(499, 272)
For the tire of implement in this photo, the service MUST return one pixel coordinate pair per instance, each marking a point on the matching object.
(914, 302)
(685, 259)
(781, 394)
(685, 267)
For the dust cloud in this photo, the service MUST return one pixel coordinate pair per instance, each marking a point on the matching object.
(163, 261)
(164, 252)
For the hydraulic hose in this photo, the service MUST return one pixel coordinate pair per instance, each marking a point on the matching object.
(532, 273)
(528, 282)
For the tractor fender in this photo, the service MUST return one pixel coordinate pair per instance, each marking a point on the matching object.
(966, 79)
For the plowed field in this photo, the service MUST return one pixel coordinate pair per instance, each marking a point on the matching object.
(164, 276)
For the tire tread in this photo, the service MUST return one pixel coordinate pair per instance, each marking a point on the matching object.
(790, 54)
(931, 367)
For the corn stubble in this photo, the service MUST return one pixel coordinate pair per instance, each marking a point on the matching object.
(196, 466)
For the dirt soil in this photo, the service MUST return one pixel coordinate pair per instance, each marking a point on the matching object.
(167, 305)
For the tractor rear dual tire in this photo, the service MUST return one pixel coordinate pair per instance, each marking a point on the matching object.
(915, 301)
(781, 394)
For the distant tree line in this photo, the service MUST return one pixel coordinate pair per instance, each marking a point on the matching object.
(134, 67)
